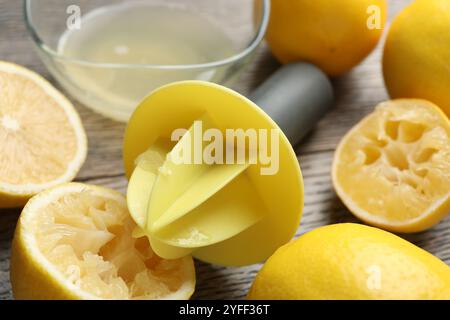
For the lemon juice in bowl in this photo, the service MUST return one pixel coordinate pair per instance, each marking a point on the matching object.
(149, 42)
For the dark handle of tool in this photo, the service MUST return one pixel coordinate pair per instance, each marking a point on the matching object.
(296, 97)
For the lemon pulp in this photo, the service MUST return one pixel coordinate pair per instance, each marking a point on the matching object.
(86, 237)
(42, 139)
(393, 169)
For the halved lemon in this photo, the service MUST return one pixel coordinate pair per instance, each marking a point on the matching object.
(42, 140)
(392, 170)
(74, 241)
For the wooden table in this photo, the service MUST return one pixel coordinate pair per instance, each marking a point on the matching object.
(357, 93)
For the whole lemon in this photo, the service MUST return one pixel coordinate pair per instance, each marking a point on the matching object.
(351, 261)
(335, 35)
(416, 61)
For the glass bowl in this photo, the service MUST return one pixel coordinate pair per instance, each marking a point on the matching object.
(109, 54)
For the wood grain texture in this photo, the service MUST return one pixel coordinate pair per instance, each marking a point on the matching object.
(357, 93)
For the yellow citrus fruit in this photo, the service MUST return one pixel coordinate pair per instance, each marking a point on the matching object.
(392, 169)
(335, 35)
(74, 241)
(351, 261)
(416, 60)
(42, 140)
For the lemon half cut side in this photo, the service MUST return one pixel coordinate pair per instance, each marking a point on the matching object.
(392, 170)
(75, 241)
(42, 139)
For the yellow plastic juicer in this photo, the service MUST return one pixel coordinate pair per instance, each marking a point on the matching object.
(227, 214)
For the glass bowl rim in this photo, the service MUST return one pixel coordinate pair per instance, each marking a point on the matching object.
(257, 39)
